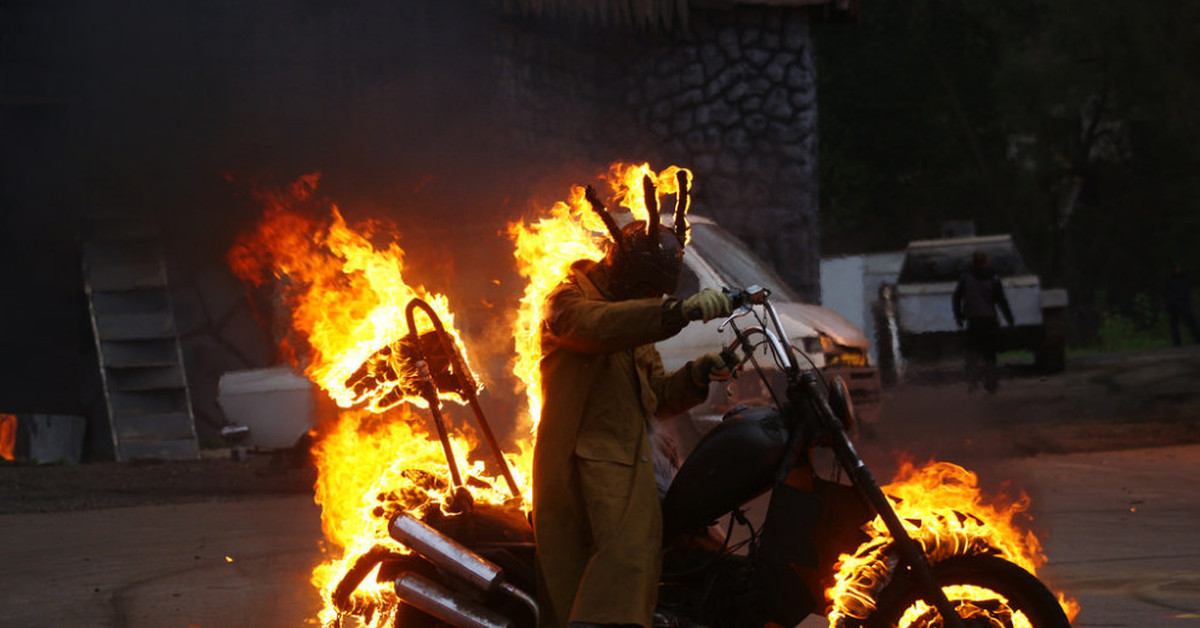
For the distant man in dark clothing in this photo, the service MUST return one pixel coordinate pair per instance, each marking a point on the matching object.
(1179, 304)
(976, 298)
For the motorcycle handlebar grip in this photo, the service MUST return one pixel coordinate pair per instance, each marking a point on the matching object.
(730, 358)
(736, 297)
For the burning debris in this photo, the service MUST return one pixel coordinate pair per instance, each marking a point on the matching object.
(378, 345)
(8, 436)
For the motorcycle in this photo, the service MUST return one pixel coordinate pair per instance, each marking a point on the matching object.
(472, 565)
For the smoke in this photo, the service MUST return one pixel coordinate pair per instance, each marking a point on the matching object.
(153, 102)
(177, 111)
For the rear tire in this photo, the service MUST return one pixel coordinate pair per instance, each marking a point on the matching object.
(1023, 592)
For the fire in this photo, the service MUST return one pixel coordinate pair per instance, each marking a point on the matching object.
(8, 436)
(942, 507)
(546, 248)
(346, 300)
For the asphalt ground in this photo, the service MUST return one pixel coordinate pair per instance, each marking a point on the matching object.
(1100, 403)
(1101, 450)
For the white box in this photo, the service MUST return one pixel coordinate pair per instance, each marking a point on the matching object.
(275, 403)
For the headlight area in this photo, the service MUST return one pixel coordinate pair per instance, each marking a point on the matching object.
(848, 357)
(840, 355)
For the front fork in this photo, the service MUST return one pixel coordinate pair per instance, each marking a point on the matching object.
(910, 551)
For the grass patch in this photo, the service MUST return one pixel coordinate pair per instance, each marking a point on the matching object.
(1139, 326)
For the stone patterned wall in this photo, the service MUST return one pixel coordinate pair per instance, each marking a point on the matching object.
(734, 100)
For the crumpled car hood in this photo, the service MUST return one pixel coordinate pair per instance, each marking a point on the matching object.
(825, 321)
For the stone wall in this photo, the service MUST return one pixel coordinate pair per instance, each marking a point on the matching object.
(734, 99)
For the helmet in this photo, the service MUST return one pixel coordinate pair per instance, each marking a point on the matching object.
(644, 265)
(646, 257)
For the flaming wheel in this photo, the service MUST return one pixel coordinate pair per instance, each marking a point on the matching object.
(989, 592)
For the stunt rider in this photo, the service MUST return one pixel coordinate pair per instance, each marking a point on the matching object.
(596, 516)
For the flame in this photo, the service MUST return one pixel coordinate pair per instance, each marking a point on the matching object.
(942, 507)
(345, 300)
(8, 436)
(545, 248)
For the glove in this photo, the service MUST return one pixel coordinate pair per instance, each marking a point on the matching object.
(707, 305)
(710, 367)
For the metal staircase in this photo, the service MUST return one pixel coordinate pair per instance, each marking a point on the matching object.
(133, 323)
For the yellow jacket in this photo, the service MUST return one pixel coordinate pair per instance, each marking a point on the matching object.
(596, 515)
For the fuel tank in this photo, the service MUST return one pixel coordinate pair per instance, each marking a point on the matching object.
(731, 465)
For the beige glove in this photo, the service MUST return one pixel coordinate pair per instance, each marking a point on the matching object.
(710, 367)
(707, 305)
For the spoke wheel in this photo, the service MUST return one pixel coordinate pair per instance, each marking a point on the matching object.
(988, 592)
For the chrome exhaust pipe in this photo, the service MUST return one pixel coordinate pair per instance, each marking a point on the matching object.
(456, 558)
(446, 605)
(445, 552)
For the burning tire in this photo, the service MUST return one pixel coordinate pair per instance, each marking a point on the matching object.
(988, 591)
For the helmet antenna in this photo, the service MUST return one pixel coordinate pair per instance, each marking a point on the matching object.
(602, 212)
(683, 202)
(651, 207)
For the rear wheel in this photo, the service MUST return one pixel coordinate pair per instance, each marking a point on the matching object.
(988, 592)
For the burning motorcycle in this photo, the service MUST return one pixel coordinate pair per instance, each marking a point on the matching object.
(843, 548)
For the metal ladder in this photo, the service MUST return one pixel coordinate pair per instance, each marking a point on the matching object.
(137, 344)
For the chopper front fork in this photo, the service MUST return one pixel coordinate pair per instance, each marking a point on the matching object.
(910, 551)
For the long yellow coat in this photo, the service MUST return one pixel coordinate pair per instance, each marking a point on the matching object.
(596, 515)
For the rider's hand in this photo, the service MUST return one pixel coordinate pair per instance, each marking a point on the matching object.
(707, 305)
(710, 367)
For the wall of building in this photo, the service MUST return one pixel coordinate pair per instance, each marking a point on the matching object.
(733, 99)
(413, 111)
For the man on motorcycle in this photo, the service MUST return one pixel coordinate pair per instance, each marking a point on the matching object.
(596, 516)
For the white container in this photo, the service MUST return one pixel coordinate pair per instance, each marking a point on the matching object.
(275, 403)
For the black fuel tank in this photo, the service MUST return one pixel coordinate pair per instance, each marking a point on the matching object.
(731, 465)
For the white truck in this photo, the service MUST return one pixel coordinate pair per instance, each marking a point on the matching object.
(916, 317)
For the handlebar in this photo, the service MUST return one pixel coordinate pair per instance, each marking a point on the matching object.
(738, 298)
(754, 295)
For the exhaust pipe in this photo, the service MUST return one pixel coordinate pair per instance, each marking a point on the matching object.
(445, 552)
(446, 605)
(454, 557)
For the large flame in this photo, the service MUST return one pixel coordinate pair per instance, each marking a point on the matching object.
(547, 245)
(345, 297)
(943, 509)
(345, 300)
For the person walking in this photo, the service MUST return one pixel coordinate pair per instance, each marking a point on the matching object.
(977, 296)
(1178, 294)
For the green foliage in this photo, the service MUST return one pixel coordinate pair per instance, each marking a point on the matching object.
(932, 110)
(1138, 326)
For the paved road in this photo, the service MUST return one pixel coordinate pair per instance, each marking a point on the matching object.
(241, 564)
(1123, 532)
(1121, 529)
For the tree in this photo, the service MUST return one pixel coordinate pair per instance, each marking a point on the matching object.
(1069, 123)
